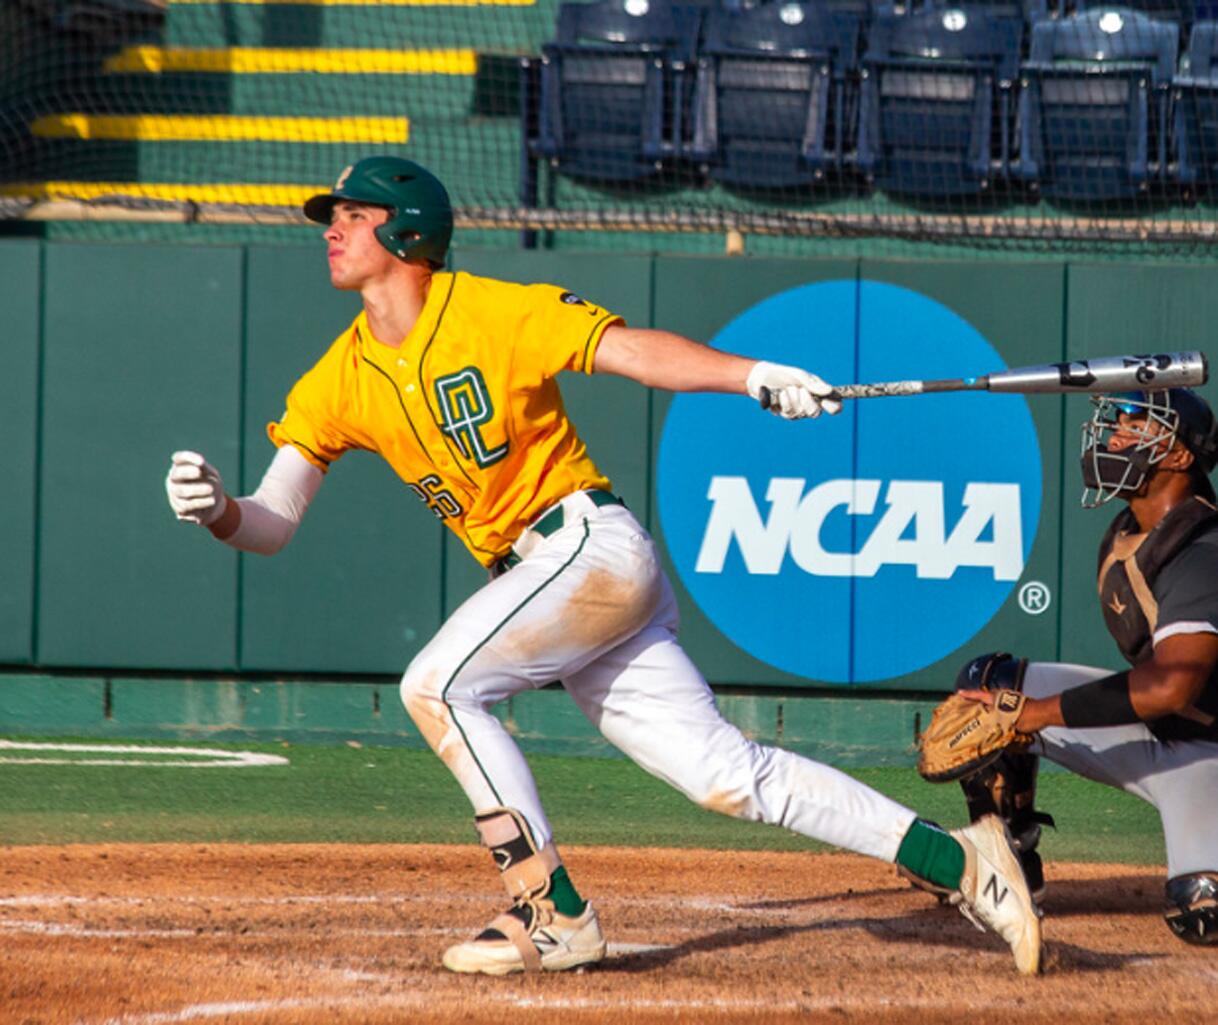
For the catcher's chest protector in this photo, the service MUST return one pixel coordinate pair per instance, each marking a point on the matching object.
(1128, 565)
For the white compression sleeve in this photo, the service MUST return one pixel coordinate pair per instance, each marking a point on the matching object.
(270, 516)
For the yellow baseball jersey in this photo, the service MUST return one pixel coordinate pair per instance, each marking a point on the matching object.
(466, 410)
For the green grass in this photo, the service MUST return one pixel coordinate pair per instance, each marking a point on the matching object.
(395, 795)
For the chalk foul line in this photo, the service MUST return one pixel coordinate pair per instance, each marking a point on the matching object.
(152, 756)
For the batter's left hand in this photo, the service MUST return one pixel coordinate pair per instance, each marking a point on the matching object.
(196, 493)
(794, 393)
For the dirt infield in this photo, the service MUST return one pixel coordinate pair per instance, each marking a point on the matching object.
(280, 935)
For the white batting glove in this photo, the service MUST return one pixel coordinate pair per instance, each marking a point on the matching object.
(196, 493)
(794, 393)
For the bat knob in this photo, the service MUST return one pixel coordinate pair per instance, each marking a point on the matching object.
(764, 397)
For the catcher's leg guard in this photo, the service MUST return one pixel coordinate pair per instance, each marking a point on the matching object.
(1008, 787)
(532, 935)
(1191, 907)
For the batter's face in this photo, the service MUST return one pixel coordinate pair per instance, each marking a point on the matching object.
(356, 256)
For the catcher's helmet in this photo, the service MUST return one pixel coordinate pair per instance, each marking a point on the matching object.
(421, 217)
(1178, 414)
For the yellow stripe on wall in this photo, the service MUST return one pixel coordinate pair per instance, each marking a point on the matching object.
(221, 128)
(251, 195)
(256, 60)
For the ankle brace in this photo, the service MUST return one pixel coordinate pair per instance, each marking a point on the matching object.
(525, 869)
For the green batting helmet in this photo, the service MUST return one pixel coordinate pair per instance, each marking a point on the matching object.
(417, 202)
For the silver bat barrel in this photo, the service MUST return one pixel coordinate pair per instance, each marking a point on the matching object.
(1151, 372)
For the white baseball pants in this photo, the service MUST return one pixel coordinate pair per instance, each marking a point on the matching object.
(589, 605)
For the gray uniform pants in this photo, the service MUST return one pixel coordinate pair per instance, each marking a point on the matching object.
(1179, 778)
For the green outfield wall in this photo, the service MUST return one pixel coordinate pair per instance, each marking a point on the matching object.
(115, 355)
(843, 730)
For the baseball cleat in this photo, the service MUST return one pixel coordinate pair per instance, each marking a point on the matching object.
(530, 936)
(993, 892)
(1029, 861)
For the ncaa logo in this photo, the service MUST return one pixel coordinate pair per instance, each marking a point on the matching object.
(867, 545)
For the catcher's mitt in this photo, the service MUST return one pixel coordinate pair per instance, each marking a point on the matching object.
(965, 736)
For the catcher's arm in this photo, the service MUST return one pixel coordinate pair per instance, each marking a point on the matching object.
(1166, 684)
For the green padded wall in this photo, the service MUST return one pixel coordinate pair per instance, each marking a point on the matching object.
(119, 354)
(1018, 309)
(20, 270)
(697, 296)
(142, 357)
(1115, 309)
(611, 413)
(994, 299)
(358, 587)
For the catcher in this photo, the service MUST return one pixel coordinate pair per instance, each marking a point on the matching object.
(1151, 730)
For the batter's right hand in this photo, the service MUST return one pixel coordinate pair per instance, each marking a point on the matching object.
(793, 393)
(196, 493)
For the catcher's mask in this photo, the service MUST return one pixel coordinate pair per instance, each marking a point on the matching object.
(1155, 421)
(420, 221)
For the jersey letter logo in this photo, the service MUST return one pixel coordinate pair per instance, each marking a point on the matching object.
(465, 406)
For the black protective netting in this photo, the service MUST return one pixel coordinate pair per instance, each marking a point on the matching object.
(1000, 124)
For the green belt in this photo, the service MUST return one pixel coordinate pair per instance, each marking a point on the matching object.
(553, 521)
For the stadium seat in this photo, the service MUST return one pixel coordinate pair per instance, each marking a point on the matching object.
(774, 98)
(1183, 12)
(863, 8)
(1028, 11)
(101, 20)
(1093, 104)
(612, 87)
(1195, 111)
(935, 110)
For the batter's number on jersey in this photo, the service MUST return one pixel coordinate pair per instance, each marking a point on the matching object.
(465, 406)
(439, 501)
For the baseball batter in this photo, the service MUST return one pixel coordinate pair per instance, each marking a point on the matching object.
(1151, 730)
(451, 379)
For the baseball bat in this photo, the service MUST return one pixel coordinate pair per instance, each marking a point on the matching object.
(1150, 372)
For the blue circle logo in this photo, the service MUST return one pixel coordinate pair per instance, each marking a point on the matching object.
(866, 545)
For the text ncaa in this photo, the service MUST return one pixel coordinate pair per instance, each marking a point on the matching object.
(864, 546)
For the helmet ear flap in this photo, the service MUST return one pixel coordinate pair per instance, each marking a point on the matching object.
(388, 238)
